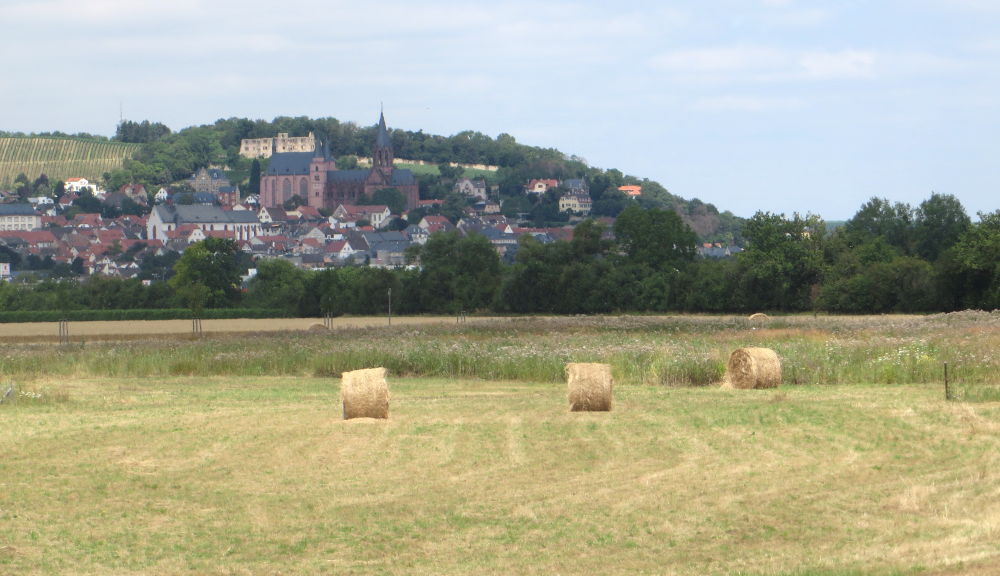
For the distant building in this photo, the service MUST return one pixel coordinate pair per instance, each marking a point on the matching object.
(471, 188)
(235, 224)
(631, 190)
(577, 186)
(19, 217)
(78, 185)
(282, 143)
(540, 186)
(575, 203)
(314, 177)
(208, 180)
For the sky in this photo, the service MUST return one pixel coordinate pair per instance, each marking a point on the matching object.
(784, 106)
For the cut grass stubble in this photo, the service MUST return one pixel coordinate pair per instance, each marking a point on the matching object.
(226, 475)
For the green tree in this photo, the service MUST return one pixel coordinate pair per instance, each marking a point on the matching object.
(278, 285)
(253, 185)
(977, 263)
(140, 132)
(453, 207)
(655, 238)
(939, 223)
(390, 197)
(458, 273)
(208, 273)
(880, 218)
(783, 262)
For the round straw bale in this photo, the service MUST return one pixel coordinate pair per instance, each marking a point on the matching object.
(318, 327)
(589, 387)
(754, 368)
(758, 317)
(365, 394)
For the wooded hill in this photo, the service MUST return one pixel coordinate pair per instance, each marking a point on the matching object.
(160, 157)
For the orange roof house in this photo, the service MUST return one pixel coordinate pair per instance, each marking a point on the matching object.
(631, 190)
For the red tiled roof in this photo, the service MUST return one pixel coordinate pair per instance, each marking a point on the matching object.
(33, 237)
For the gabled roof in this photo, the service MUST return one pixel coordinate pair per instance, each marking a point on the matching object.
(347, 175)
(277, 214)
(289, 163)
(93, 220)
(17, 210)
(33, 237)
(308, 212)
(403, 177)
(205, 215)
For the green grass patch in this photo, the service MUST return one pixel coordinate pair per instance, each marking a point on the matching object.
(664, 351)
(232, 475)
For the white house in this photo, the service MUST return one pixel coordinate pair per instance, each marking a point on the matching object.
(237, 224)
(19, 217)
(77, 185)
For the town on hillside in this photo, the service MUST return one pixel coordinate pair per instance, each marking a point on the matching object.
(309, 211)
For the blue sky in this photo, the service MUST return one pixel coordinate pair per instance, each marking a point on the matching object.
(777, 105)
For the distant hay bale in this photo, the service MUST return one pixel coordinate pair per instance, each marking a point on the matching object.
(754, 368)
(759, 317)
(365, 394)
(589, 387)
(318, 327)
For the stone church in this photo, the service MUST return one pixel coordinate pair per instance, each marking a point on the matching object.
(314, 177)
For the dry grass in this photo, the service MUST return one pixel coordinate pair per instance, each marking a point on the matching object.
(261, 476)
(365, 394)
(590, 387)
(753, 368)
(129, 329)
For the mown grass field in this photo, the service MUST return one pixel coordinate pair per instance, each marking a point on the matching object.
(60, 158)
(236, 463)
(432, 169)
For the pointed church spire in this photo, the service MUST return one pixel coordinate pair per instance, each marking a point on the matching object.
(382, 139)
(319, 148)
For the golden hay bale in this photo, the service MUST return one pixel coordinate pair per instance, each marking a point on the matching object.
(754, 368)
(758, 317)
(318, 327)
(589, 387)
(365, 394)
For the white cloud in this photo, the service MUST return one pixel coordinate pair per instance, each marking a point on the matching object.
(737, 103)
(746, 59)
(842, 65)
(766, 64)
(99, 12)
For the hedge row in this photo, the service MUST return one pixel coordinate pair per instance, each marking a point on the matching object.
(157, 314)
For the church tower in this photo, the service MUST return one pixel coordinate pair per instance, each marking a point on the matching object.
(382, 155)
(319, 166)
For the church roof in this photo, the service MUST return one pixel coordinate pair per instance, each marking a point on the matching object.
(347, 175)
(289, 163)
(382, 139)
(403, 177)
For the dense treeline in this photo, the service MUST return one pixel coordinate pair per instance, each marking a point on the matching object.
(888, 258)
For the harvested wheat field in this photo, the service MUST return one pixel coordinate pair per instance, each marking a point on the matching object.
(134, 458)
(138, 328)
(211, 476)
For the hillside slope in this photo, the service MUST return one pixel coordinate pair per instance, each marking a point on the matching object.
(60, 158)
